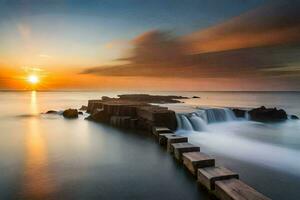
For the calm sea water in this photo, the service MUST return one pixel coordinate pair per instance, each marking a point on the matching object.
(47, 157)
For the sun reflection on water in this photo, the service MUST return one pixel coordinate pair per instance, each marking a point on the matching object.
(37, 180)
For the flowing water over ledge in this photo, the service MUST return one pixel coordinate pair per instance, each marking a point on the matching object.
(261, 153)
(45, 156)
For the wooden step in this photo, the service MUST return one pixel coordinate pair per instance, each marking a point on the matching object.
(234, 189)
(180, 148)
(163, 138)
(175, 139)
(194, 160)
(209, 175)
(160, 130)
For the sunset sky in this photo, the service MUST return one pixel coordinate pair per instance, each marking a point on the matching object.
(150, 45)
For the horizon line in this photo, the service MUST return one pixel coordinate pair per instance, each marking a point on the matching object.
(93, 90)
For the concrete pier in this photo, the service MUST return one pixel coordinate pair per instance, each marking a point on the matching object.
(209, 175)
(194, 160)
(180, 148)
(234, 189)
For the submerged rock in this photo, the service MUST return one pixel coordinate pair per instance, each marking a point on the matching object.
(70, 113)
(294, 117)
(195, 97)
(264, 114)
(239, 112)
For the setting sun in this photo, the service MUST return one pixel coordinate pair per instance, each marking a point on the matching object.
(33, 79)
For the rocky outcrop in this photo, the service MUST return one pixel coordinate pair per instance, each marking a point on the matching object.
(93, 105)
(131, 114)
(294, 117)
(70, 113)
(99, 116)
(239, 112)
(264, 114)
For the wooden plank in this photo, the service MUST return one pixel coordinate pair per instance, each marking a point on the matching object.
(194, 160)
(163, 140)
(175, 139)
(180, 148)
(160, 130)
(209, 175)
(234, 189)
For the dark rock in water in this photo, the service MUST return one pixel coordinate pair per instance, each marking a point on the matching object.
(70, 113)
(80, 113)
(239, 113)
(83, 107)
(51, 112)
(294, 117)
(264, 114)
(195, 97)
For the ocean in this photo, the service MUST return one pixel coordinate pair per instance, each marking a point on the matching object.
(48, 157)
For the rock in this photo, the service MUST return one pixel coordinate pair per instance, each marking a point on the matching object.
(70, 113)
(80, 113)
(99, 116)
(195, 97)
(239, 113)
(294, 117)
(83, 107)
(94, 105)
(264, 114)
(51, 112)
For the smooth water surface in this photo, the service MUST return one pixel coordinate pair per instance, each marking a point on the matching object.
(48, 157)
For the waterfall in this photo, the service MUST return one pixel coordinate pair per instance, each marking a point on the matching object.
(198, 120)
(219, 115)
(198, 123)
(186, 124)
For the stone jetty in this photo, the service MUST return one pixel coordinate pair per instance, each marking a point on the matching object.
(139, 114)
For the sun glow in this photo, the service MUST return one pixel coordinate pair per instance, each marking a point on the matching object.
(33, 79)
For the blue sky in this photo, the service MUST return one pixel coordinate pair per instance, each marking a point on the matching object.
(85, 37)
(82, 28)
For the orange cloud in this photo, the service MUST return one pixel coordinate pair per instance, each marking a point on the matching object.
(272, 24)
(265, 38)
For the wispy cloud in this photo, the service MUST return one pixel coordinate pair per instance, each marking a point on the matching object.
(271, 24)
(260, 43)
